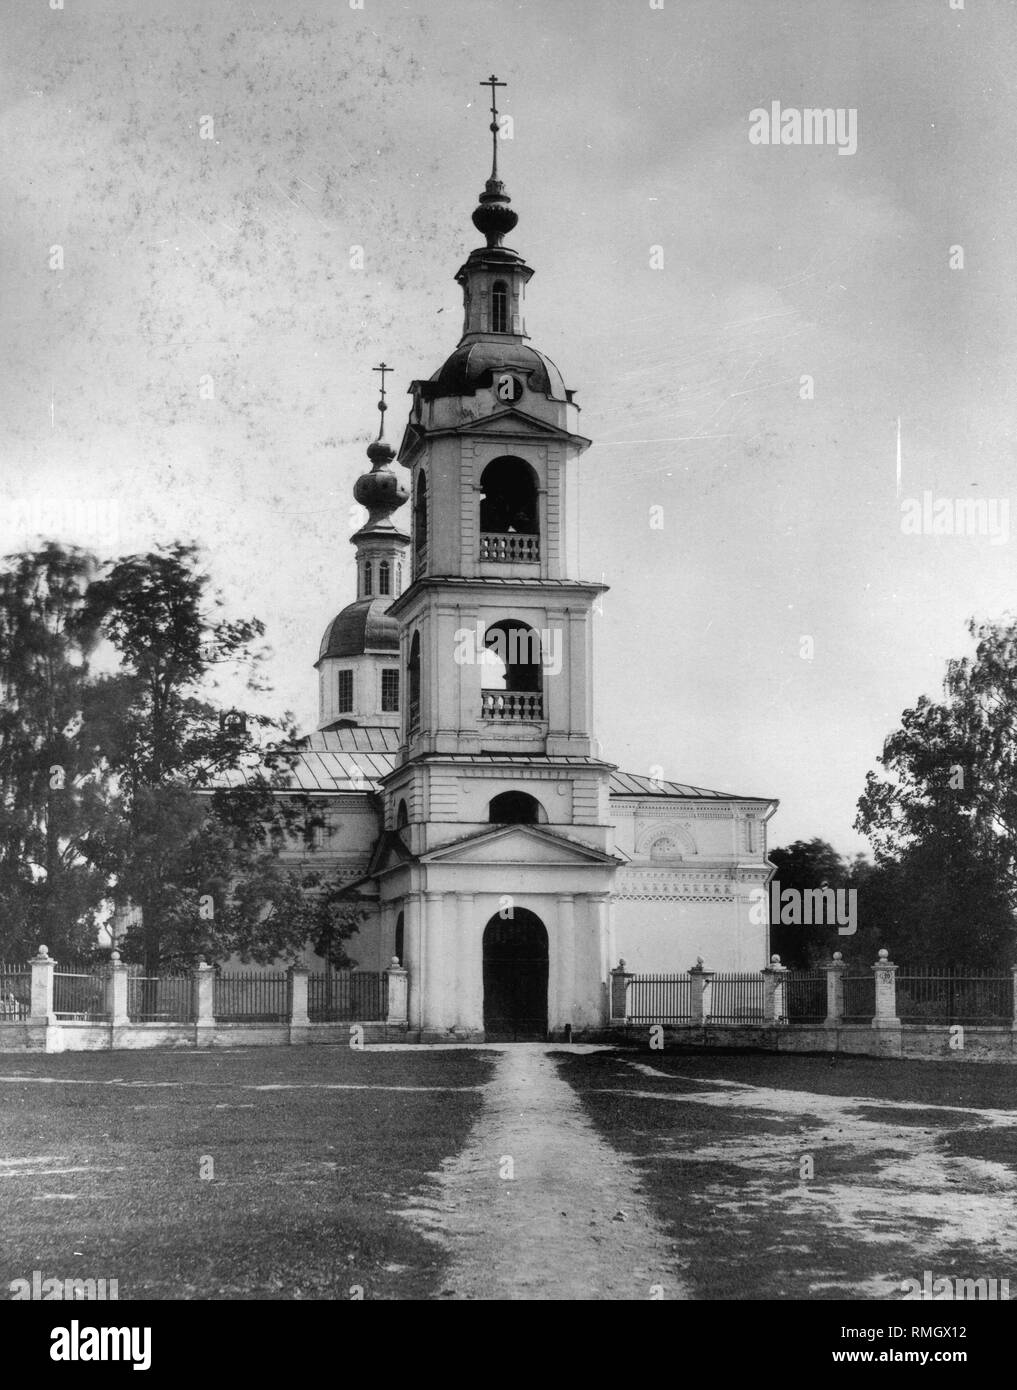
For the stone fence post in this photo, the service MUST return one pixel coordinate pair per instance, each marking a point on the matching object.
(886, 992)
(42, 987)
(116, 991)
(204, 1002)
(774, 992)
(702, 983)
(835, 991)
(398, 992)
(619, 992)
(296, 991)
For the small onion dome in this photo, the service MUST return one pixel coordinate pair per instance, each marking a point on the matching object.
(380, 452)
(494, 218)
(380, 491)
(363, 626)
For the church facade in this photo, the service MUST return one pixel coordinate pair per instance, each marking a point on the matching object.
(497, 854)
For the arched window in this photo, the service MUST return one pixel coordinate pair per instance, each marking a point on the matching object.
(514, 808)
(400, 933)
(499, 307)
(402, 816)
(414, 705)
(383, 578)
(420, 523)
(508, 511)
(511, 677)
(368, 581)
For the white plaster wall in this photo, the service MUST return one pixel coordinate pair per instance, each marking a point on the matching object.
(661, 936)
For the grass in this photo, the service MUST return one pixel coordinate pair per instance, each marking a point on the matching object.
(307, 1181)
(891, 1192)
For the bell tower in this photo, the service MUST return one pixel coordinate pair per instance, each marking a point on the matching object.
(358, 671)
(496, 632)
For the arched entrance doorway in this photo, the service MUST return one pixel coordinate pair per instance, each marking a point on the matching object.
(515, 977)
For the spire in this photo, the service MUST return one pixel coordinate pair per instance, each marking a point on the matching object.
(494, 218)
(380, 491)
(381, 452)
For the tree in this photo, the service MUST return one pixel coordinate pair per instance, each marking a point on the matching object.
(203, 868)
(943, 822)
(803, 865)
(53, 788)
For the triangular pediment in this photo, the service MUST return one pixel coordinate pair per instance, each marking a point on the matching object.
(389, 853)
(514, 423)
(510, 423)
(517, 844)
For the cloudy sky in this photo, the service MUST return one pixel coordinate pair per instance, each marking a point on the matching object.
(228, 258)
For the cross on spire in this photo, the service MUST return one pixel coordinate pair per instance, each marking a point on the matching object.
(493, 83)
(382, 407)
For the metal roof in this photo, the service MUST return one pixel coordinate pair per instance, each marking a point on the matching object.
(354, 758)
(628, 784)
(362, 626)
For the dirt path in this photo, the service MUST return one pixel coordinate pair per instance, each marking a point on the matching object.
(567, 1224)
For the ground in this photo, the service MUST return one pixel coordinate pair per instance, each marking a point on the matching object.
(509, 1172)
(914, 1167)
(313, 1148)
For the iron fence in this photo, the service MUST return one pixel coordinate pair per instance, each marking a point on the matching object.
(927, 994)
(736, 998)
(659, 998)
(79, 995)
(247, 998)
(859, 998)
(15, 993)
(160, 999)
(805, 996)
(338, 996)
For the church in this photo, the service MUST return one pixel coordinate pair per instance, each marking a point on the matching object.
(496, 853)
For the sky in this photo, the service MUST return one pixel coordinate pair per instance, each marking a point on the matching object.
(744, 325)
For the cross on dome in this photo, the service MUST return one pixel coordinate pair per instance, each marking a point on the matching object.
(494, 217)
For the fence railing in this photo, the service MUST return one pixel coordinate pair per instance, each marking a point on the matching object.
(79, 995)
(805, 996)
(927, 994)
(15, 993)
(241, 998)
(160, 998)
(737, 998)
(652, 998)
(885, 995)
(347, 995)
(859, 998)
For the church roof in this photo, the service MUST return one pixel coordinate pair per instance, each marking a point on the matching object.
(361, 627)
(629, 784)
(343, 759)
(472, 365)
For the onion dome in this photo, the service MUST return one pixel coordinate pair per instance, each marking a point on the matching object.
(493, 218)
(363, 626)
(381, 491)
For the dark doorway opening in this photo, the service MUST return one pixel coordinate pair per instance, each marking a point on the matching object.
(515, 978)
